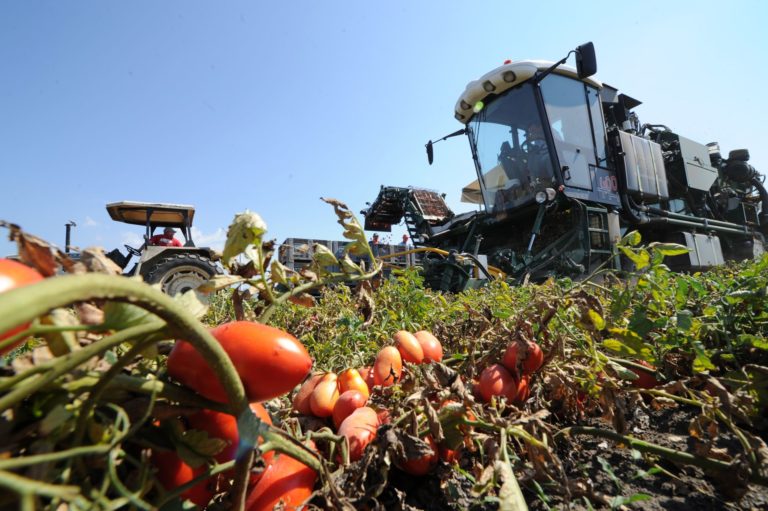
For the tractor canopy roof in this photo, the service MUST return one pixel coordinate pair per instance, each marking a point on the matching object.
(155, 213)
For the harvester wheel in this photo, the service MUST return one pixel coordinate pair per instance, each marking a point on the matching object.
(181, 272)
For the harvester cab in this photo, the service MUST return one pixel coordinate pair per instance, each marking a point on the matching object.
(177, 269)
(564, 168)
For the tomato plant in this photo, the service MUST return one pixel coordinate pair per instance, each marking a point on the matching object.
(270, 362)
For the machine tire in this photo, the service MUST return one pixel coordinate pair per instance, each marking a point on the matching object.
(181, 272)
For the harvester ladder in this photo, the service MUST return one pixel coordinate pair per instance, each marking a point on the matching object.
(598, 238)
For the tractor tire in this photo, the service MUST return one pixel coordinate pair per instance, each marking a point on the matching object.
(181, 272)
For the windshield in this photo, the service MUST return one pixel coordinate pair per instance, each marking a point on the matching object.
(512, 156)
(573, 109)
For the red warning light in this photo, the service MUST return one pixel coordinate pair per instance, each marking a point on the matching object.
(507, 62)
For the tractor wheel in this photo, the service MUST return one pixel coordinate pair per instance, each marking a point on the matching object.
(181, 272)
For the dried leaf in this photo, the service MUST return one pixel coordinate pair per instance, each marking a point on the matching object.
(245, 230)
(302, 299)
(96, 261)
(218, 282)
(510, 496)
(61, 343)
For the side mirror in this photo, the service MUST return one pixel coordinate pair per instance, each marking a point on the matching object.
(430, 152)
(586, 63)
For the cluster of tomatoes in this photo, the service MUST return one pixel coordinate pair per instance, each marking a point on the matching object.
(344, 397)
(270, 363)
(511, 377)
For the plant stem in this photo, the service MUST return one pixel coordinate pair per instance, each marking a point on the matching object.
(23, 304)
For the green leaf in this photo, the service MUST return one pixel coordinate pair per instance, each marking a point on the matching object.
(617, 346)
(121, 315)
(323, 256)
(702, 363)
(631, 239)
(218, 282)
(596, 319)
(669, 249)
(640, 257)
(684, 320)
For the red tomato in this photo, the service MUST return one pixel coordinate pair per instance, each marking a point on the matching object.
(324, 396)
(424, 464)
(522, 390)
(347, 403)
(285, 481)
(534, 359)
(409, 347)
(448, 455)
(383, 416)
(224, 426)
(301, 399)
(350, 379)
(644, 380)
(270, 362)
(172, 472)
(366, 373)
(388, 367)
(509, 360)
(433, 350)
(12, 275)
(359, 429)
(495, 380)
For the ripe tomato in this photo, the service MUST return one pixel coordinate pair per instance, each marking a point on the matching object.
(270, 362)
(324, 396)
(172, 472)
(367, 374)
(433, 350)
(495, 380)
(388, 367)
(534, 359)
(224, 426)
(359, 429)
(301, 399)
(14, 274)
(347, 403)
(285, 481)
(350, 379)
(522, 390)
(409, 347)
(424, 464)
(644, 380)
(509, 360)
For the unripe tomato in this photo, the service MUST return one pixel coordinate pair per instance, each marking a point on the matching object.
(388, 367)
(433, 350)
(172, 472)
(495, 380)
(301, 399)
(14, 274)
(409, 347)
(424, 464)
(285, 484)
(509, 360)
(224, 426)
(360, 430)
(366, 373)
(644, 379)
(324, 396)
(350, 379)
(534, 359)
(270, 362)
(347, 403)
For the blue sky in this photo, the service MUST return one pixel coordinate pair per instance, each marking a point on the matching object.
(268, 106)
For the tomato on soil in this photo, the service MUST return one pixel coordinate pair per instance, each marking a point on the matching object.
(270, 362)
(172, 472)
(409, 347)
(534, 359)
(359, 428)
(286, 481)
(324, 396)
(495, 380)
(347, 403)
(301, 398)
(350, 379)
(224, 426)
(14, 274)
(388, 367)
(433, 350)
(645, 380)
(424, 464)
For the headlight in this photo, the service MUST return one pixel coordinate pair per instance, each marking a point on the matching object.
(541, 197)
(546, 195)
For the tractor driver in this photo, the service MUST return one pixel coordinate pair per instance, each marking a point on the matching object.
(166, 239)
(535, 146)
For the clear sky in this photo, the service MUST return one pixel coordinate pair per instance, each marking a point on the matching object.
(268, 106)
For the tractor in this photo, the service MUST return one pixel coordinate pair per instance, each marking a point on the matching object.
(564, 168)
(176, 269)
